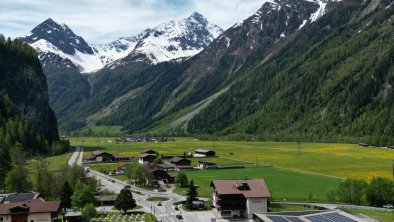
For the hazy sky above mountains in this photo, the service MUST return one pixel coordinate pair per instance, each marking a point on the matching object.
(100, 21)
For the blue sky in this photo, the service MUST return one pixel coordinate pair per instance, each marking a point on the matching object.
(100, 21)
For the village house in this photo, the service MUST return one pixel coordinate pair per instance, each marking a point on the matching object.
(204, 153)
(179, 161)
(146, 158)
(207, 165)
(154, 174)
(100, 156)
(166, 166)
(239, 198)
(35, 210)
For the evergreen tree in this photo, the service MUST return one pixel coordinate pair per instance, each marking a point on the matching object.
(125, 201)
(66, 194)
(191, 195)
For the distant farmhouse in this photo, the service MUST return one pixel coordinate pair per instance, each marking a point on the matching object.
(100, 156)
(147, 156)
(204, 153)
(207, 165)
(240, 198)
(179, 161)
(307, 216)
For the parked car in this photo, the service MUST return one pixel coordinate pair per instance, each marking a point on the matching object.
(127, 186)
(388, 206)
(159, 204)
(179, 216)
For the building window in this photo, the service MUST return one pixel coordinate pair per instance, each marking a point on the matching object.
(1, 219)
(32, 221)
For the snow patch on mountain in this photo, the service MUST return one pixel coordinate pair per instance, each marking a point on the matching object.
(84, 62)
(322, 8)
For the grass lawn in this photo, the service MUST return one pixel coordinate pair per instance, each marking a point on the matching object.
(283, 184)
(340, 160)
(157, 199)
(381, 216)
(103, 167)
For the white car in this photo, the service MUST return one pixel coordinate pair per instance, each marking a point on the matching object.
(388, 206)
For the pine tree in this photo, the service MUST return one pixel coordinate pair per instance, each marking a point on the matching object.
(66, 194)
(191, 195)
(125, 201)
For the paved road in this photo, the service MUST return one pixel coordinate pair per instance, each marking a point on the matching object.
(76, 157)
(165, 213)
(335, 206)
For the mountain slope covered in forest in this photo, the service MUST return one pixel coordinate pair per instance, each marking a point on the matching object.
(333, 81)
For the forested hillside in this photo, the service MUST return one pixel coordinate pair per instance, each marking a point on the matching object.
(26, 117)
(332, 82)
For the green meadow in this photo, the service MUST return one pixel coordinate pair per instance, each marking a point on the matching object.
(304, 171)
(330, 159)
(283, 184)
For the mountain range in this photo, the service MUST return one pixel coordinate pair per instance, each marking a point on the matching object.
(55, 41)
(281, 73)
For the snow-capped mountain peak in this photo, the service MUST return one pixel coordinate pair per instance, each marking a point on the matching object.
(176, 39)
(59, 35)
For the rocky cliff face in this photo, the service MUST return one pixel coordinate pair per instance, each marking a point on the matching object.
(23, 80)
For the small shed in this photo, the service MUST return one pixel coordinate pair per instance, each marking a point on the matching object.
(107, 200)
(73, 216)
(204, 153)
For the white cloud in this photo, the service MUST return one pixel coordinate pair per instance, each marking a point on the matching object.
(100, 21)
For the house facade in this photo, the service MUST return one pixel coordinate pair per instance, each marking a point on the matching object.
(240, 198)
(36, 210)
(100, 156)
(146, 158)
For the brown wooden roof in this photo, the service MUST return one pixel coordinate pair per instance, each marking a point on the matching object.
(178, 159)
(34, 206)
(146, 155)
(257, 188)
(98, 152)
